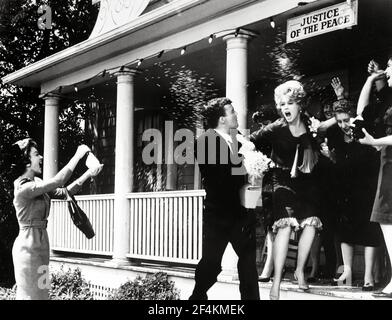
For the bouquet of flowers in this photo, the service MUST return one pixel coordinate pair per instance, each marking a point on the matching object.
(256, 164)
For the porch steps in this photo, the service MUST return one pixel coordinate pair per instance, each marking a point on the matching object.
(105, 276)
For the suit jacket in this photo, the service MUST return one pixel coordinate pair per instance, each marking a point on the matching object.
(222, 173)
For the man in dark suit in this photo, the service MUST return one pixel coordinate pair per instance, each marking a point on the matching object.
(224, 219)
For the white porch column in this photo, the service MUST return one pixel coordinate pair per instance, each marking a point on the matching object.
(237, 73)
(236, 91)
(51, 142)
(171, 165)
(51, 135)
(123, 181)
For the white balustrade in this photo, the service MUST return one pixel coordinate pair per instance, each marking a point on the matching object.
(66, 237)
(166, 226)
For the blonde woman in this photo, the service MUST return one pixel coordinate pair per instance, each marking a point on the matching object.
(295, 191)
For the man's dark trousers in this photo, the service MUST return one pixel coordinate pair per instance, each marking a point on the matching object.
(218, 232)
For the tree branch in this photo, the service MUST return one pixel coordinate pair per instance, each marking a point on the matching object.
(14, 120)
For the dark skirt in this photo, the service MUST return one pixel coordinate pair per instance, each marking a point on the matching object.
(363, 233)
(266, 196)
(294, 197)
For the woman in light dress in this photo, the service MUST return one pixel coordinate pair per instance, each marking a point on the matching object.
(32, 196)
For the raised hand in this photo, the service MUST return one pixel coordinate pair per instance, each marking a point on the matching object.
(375, 72)
(373, 67)
(325, 149)
(368, 139)
(337, 87)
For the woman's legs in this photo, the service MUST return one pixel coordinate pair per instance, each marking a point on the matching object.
(304, 245)
(280, 248)
(387, 232)
(269, 262)
(370, 257)
(315, 256)
(348, 254)
(377, 266)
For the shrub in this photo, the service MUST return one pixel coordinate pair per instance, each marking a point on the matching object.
(152, 287)
(7, 294)
(69, 285)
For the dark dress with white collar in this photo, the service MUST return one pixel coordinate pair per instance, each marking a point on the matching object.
(296, 195)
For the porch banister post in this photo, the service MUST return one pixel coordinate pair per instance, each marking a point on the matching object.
(237, 73)
(236, 91)
(123, 180)
(51, 135)
(51, 143)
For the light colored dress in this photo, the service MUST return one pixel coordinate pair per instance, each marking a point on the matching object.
(30, 252)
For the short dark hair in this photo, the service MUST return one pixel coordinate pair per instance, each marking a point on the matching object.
(20, 156)
(344, 106)
(215, 109)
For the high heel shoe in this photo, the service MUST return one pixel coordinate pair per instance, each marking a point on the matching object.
(337, 283)
(368, 287)
(346, 281)
(268, 279)
(303, 287)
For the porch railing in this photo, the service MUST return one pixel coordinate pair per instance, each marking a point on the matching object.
(66, 237)
(166, 226)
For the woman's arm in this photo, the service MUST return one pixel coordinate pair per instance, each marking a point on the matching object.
(377, 77)
(324, 125)
(264, 137)
(364, 97)
(374, 67)
(36, 188)
(369, 140)
(75, 186)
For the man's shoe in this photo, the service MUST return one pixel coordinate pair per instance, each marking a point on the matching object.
(198, 297)
(368, 287)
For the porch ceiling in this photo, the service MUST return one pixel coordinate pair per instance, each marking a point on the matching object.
(147, 28)
(331, 53)
(148, 34)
